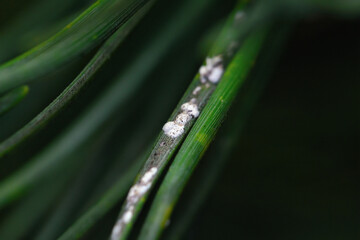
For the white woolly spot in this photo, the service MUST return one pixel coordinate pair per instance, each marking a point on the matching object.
(137, 191)
(191, 109)
(216, 74)
(196, 90)
(168, 126)
(209, 63)
(182, 119)
(212, 71)
(176, 128)
(143, 188)
(203, 70)
(127, 216)
(116, 230)
(173, 130)
(149, 175)
(212, 62)
(133, 191)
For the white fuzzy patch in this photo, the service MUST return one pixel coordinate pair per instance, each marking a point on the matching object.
(203, 70)
(127, 216)
(216, 74)
(212, 71)
(173, 130)
(191, 109)
(196, 90)
(168, 126)
(137, 191)
(148, 176)
(182, 119)
(133, 192)
(142, 189)
(117, 228)
(212, 62)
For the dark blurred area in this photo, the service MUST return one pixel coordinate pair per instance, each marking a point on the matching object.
(295, 172)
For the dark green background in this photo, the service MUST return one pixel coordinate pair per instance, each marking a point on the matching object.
(295, 172)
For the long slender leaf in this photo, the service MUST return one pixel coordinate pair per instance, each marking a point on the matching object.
(74, 88)
(30, 210)
(56, 154)
(11, 99)
(223, 147)
(200, 137)
(77, 188)
(153, 113)
(84, 33)
(109, 199)
(113, 99)
(33, 208)
(35, 18)
(180, 122)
